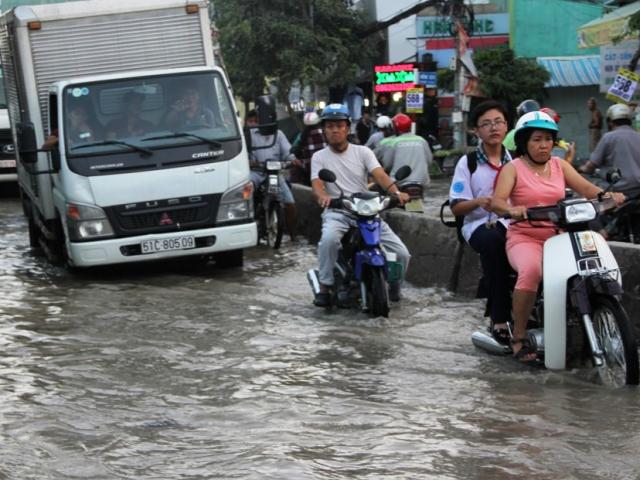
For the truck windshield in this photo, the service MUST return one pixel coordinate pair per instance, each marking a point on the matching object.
(147, 114)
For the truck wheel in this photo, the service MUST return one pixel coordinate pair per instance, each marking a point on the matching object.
(231, 259)
(615, 335)
(34, 234)
(58, 248)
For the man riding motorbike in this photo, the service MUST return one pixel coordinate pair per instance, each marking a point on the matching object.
(619, 148)
(352, 164)
(265, 147)
(407, 149)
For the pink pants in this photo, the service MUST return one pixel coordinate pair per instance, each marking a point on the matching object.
(524, 251)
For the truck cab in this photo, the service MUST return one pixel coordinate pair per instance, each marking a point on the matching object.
(143, 166)
(128, 142)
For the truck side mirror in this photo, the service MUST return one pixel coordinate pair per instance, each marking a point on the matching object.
(27, 145)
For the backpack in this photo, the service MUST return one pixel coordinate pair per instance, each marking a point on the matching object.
(472, 163)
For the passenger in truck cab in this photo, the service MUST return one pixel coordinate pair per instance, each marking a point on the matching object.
(81, 124)
(187, 111)
(131, 123)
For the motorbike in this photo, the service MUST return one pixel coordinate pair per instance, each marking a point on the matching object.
(269, 210)
(623, 223)
(578, 320)
(363, 270)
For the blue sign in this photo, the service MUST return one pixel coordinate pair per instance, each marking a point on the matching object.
(428, 79)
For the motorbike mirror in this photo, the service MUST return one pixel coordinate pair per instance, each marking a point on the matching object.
(403, 172)
(613, 175)
(327, 175)
(267, 117)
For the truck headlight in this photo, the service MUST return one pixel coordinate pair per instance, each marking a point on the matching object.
(87, 222)
(579, 212)
(236, 204)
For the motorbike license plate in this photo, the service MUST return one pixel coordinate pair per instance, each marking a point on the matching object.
(7, 164)
(167, 244)
(273, 165)
(414, 205)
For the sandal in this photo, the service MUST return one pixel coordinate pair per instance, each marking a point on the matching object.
(501, 335)
(525, 351)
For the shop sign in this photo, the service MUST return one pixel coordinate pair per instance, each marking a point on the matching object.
(415, 100)
(428, 79)
(612, 59)
(623, 87)
(483, 24)
(394, 78)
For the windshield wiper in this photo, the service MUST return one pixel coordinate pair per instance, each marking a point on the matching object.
(210, 141)
(138, 148)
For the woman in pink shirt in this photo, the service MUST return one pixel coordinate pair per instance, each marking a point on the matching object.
(534, 178)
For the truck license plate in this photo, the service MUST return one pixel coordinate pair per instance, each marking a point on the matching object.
(166, 244)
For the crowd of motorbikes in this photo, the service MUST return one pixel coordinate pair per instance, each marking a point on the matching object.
(578, 320)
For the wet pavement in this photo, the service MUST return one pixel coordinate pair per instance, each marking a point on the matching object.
(185, 371)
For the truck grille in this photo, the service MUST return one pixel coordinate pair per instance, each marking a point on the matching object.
(164, 215)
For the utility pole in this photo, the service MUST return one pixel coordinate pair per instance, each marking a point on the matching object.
(459, 114)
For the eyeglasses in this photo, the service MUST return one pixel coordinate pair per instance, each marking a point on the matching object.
(495, 123)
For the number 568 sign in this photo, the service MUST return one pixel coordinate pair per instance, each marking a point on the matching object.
(623, 86)
(415, 100)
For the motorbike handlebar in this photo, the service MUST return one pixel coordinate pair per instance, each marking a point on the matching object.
(335, 203)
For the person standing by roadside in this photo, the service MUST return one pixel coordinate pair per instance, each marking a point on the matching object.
(595, 124)
(470, 195)
(364, 127)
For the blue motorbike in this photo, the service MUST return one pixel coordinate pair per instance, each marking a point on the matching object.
(363, 270)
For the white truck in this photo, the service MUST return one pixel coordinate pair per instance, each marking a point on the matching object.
(128, 142)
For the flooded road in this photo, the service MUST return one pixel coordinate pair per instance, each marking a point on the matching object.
(185, 371)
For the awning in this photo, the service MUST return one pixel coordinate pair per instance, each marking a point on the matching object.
(573, 71)
(603, 30)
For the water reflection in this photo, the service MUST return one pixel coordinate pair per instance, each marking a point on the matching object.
(185, 371)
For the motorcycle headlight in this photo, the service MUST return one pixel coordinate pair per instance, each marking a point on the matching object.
(236, 204)
(273, 165)
(367, 207)
(579, 212)
(87, 222)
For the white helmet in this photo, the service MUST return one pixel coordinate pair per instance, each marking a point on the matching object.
(619, 111)
(384, 122)
(311, 118)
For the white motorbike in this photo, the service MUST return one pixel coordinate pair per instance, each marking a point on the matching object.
(578, 320)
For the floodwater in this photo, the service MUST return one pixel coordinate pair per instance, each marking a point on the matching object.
(185, 371)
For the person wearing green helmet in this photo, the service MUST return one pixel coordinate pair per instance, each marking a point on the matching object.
(526, 106)
(534, 178)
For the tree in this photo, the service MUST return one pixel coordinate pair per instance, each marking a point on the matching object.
(289, 42)
(504, 77)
